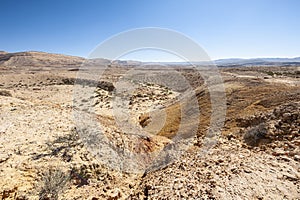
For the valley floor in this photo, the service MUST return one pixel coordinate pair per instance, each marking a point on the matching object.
(257, 155)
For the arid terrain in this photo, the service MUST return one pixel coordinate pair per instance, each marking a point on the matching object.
(43, 154)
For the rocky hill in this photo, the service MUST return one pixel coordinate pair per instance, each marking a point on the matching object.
(38, 59)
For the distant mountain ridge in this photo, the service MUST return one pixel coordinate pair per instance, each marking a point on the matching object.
(237, 62)
(42, 59)
(257, 61)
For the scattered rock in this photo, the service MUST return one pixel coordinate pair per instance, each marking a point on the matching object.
(5, 93)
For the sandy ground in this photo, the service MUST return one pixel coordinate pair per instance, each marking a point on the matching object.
(38, 136)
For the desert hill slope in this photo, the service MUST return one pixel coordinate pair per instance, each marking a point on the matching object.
(38, 59)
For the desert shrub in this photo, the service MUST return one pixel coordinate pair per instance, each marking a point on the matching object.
(253, 135)
(5, 93)
(62, 146)
(270, 73)
(51, 184)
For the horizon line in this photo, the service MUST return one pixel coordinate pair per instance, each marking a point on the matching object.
(165, 61)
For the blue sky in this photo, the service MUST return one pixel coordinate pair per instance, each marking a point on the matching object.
(224, 28)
